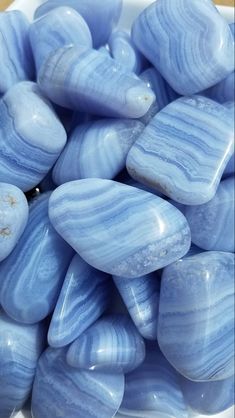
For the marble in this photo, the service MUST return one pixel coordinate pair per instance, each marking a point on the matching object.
(84, 296)
(196, 316)
(32, 275)
(212, 224)
(184, 150)
(101, 15)
(13, 217)
(90, 81)
(97, 149)
(31, 136)
(141, 297)
(112, 344)
(60, 27)
(20, 348)
(15, 57)
(82, 394)
(188, 42)
(118, 229)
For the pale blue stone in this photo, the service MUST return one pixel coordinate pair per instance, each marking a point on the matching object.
(230, 167)
(232, 28)
(60, 27)
(83, 298)
(117, 228)
(15, 53)
(224, 91)
(20, 348)
(97, 149)
(13, 217)
(212, 224)
(32, 276)
(172, 37)
(134, 183)
(61, 391)
(196, 316)
(112, 344)
(31, 136)
(141, 297)
(184, 150)
(90, 81)
(100, 15)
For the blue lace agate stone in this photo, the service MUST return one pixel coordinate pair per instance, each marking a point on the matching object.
(33, 274)
(97, 149)
(15, 53)
(134, 183)
(83, 298)
(62, 391)
(196, 316)
(172, 36)
(223, 91)
(112, 344)
(13, 217)
(212, 224)
(184, 150)
(117, 228)
(100, 15)
(60, 27)
(20, 348)
(31, 136)
(141, 297)
(90, 81)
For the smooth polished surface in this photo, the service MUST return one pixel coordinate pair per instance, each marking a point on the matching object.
(83, 298)
(184, 150)
(13, 217)
(196, 316)
(97, 149)
(212, 224)
(223, 91)
(60, 27)
(112, 344)
(82, 394)
(15, 53)
(117, 228)
(33, 274)
(31, 136)
(172, 36)
(20, 348)
(141, 297)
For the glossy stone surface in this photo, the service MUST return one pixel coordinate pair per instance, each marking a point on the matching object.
(117, 228)
(141, 297)
(31, 136)
(100, 15)
(60, 27)
(196, 316)
(97, 149)
(223, 91)
(33, 274)
(153, 390)
(112, 344)
(82, 394)
(13, 217)
(131, 182)
(172, 36)
(184, 150)
(83, 298)
(20, 348)
(212, 224)
(15, 57)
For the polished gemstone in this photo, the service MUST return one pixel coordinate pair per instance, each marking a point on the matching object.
(83, 298)
(117, 228)
(31, 136)
(196, 316)
(97, 149)
(184, 150)
(212, 224)
(13, 217)
(131, 182)
(224, 91)
(172, 36)
(33, 274)
(230, 167)
(62, 391)
(112, 344)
